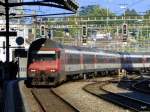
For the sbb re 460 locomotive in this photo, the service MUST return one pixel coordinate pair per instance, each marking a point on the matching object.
(50, 63)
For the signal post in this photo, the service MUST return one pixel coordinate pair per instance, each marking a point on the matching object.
(125, 32)
(84, 35)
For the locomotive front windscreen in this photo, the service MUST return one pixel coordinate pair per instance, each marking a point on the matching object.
(44, 56)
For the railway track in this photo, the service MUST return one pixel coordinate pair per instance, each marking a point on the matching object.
(98, 90)
(143, 86)
(48, 101)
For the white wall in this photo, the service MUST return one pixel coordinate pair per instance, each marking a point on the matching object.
(21, 31)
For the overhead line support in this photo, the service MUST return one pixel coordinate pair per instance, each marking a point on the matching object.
(3, 4)
(7, 30)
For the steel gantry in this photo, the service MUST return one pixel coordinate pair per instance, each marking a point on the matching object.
(70, 5)
(64, 4)
(99, 22)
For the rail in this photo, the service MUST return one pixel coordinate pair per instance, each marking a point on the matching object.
(38, 101)
(142, 86)
(122, 100)
(48, 100)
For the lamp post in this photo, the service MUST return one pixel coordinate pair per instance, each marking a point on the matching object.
(107, 13)
(108, 1)
(7, 30)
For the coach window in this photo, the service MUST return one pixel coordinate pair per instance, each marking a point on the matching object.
(137, 60)
(116, 59)
(92, 59)
(140, 60)
(73, 59)
(109, 59)
(76, 58)
(148, 59)
(97, 58)
(144, 60)
(84, 58)
(69, 59)
(105, 59)
(112, 59)
(127, 60)
(88, 59)
(134, 60)
(119, 59)
(124, 60)
(100, 58)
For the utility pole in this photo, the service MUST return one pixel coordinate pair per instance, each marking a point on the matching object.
(107, 14)
(7, 29)
(34, 20)
(124, 7)
(108, 1)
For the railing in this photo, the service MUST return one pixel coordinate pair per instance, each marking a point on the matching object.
(99, 18)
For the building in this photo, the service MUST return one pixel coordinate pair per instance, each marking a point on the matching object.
(15, 26)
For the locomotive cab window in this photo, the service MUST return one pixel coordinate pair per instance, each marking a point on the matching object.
(44, 56)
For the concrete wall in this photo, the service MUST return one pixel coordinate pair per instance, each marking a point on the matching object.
(22, 68)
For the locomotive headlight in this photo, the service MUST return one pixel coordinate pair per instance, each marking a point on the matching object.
(53, 70)
(32, 70)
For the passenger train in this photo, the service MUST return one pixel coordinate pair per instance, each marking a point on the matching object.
(50, 63)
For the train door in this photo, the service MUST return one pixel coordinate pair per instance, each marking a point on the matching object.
(61, 65)
(95, 63)
(146, 62)
(81, 63)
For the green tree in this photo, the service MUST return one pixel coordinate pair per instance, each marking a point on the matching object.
(131, 12)
(147, 12)
(94, 10)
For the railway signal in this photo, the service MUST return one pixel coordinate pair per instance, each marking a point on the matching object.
(42, 30)
(84, 40)
(125, 32)
(66, 30)
(125, 29)
(84, 34)
(84, 31)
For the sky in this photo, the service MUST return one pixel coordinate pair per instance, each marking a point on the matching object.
(116, 5)
(113, 5)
